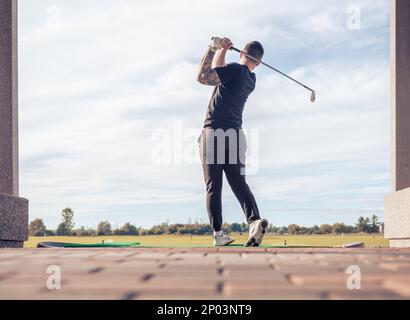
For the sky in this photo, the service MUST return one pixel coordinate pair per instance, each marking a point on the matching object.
(101, 81)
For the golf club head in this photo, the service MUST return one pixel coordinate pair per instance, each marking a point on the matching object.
(313, 97)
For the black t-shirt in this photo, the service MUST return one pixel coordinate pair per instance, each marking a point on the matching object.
(228, 101)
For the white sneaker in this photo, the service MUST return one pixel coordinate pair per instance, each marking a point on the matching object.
(257, 231)
(222, 239)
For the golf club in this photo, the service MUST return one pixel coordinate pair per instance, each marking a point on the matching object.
(313, 95)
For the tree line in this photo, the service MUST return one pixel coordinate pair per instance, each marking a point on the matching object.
(37, 228)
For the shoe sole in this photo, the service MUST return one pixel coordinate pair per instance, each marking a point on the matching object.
(224, 245)
(252, 242)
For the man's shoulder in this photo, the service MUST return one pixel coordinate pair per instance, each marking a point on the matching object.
(234, 65)
(234, 68)
(238, 66)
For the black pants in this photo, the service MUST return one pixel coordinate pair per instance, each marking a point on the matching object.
(232, 149)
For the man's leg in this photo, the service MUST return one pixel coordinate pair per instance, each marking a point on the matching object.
(235, 173)
(213, 174)
(257, 226)
(234, 168)
(243, 193)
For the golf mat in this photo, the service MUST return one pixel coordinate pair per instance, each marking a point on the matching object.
(138, 245)
(92, 245)
(345, 246)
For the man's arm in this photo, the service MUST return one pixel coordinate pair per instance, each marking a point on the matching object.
(207, 75)
(219, 59)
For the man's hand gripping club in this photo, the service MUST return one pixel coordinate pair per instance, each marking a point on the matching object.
(214, 57)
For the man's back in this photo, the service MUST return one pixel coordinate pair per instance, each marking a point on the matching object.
(228, 101)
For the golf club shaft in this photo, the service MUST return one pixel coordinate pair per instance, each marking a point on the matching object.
(274, 69)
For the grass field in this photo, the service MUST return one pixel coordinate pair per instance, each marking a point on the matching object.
(206, 241)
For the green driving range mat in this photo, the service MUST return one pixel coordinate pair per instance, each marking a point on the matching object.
(232, 246)
(138, 245)
(91, 245)
(264, 246)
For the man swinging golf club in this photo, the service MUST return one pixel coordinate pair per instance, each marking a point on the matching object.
(222, 142)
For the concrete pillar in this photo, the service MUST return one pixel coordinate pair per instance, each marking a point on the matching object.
(397, 204)
(13, 210)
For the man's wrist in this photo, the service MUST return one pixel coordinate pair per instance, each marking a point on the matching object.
(213, 49)
(223, 52)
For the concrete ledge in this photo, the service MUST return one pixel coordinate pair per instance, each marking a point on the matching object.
(400, 243)
(13, 221)
(11, 244)
(397, 217)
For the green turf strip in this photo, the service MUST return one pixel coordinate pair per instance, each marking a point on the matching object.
(92, 245)
(102, 245)
(138, 245)
(232, 246)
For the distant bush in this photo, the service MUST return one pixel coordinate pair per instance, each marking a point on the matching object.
(127, 230)
(104, 228)
(84, 232)
(62, 230)
(37, 228)
(326, 229)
